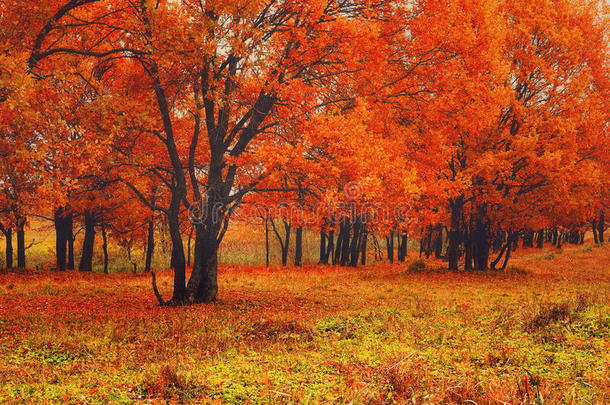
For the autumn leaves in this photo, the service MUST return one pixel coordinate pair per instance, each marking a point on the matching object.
(485, 118)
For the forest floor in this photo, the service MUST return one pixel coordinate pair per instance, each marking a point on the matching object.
(538, 332)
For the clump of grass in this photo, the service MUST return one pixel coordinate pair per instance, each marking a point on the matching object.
(271, 330)
(548, 314)
(418, 266)
(552, 313)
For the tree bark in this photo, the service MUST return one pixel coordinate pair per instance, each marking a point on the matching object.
(150, 246)
(389, 243)
(453, 248)
(286, 243)
(21, 245)
(540, 239)
(105, 248)
(266, 242)
(345, 243)
(363, 243)
(355, 243)
(86, 259)
(8, 235)
(298, 242)
(438, 242)
(70, 235)
(323, 258)
(600, 227)
(480, 242)
(188, 248)
(61, 238)
(330, 246)
(178, 261)
(594, 228)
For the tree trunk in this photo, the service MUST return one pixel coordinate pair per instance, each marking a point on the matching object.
(330, 246)
(298, 247)
(188, 247)
(389, 243)
(363, 243)
(203, 284)
(339, 242)
(453, 248)
(266, 242)
(355, 244)
(594, 228)
(8, 234)
(150, 246)
(480, 245)
(345, 243)
(323, 259)
(540, 240)
(511, 238)
(438, 242)
(61, 238)
(105, 248)
(468, 248)
(505, 249)
(70, 236)
(528, 239)
(178, 261)
(86, 259)
(600, 227)
(21, 246)
(286, 243)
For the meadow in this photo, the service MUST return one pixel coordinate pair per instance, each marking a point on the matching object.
(538, 332)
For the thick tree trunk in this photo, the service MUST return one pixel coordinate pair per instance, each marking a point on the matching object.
(468, 249)
(389, 243)
(61, 238)
(528, 238)
(64, 240)
(86, 259)
(345, 243)
(323, 258)
(336, 256)
(105, 248)
(150, 246)
(355, 243)
(70, 236)
(8, 234)
(178, 261)
(540, 239)
(330, 246)
(481, 247)
(594, 228)
(21, 246)
(363, 243)
(203, 284)
(298, 247)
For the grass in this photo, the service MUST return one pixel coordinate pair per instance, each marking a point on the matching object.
(539, 333)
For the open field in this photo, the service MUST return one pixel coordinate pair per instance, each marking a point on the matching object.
(538, 333)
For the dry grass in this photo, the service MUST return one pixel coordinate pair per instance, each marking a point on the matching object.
(315, 335)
